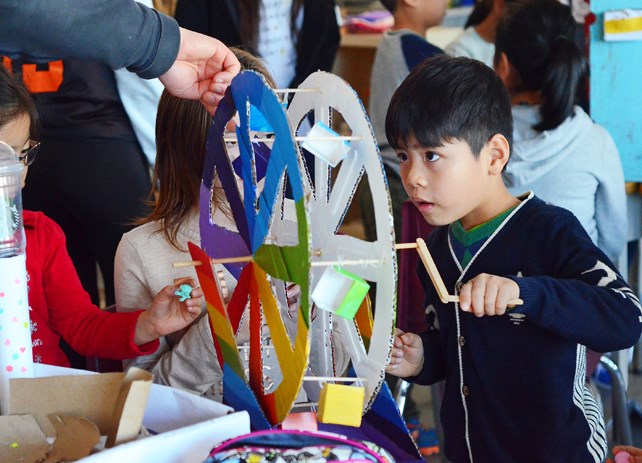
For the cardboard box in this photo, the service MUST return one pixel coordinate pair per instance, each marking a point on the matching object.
(61, 414)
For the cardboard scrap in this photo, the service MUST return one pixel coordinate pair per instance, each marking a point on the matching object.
(73, 395)
(96, 397)
(75, 438)
(22, 439)
(130, 406)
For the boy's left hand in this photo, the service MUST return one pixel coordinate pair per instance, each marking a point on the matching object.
(487, 295)
(635, 454)
(167, 314)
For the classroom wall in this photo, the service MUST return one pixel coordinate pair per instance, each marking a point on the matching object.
(616, 87)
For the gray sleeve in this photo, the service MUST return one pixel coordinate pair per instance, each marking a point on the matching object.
(131, 285)
(192, 364)
(610, 203)
(119, 33)
(132, 293)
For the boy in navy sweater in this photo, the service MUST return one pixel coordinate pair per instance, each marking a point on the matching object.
(515, 389)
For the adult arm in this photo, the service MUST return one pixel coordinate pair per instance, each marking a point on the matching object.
(119, 33)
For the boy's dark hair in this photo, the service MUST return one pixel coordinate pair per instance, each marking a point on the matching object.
(390, 5)
(15, 101)
(446, 99)
(537, 38)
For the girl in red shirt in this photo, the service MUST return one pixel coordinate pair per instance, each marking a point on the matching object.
(59, 306)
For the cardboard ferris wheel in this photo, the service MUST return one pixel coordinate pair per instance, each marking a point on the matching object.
(287, 208)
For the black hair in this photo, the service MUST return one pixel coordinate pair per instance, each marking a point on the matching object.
(480, 11)
(390, 5)
(15, 101)
(537, 37)
(445, 99)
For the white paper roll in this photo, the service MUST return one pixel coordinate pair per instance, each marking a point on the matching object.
(16, 358)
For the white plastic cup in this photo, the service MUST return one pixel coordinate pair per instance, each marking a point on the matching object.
(11, 227)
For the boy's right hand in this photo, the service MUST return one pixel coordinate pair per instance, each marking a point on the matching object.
(487, 295)
(407, 356)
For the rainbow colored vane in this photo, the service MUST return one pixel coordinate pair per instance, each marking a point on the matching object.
(253, 215)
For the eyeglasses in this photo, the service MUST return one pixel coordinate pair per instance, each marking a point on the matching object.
(28, 155)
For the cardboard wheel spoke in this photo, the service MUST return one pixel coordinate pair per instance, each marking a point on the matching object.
(260, 215)
(373, 261)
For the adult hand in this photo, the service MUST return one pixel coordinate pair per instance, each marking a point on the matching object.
(203, 69)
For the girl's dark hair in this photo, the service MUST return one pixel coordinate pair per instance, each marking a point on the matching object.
(446, 99)
(15, 101)
(480, 11)
(181, 137)
(537, 38)
(249, 21)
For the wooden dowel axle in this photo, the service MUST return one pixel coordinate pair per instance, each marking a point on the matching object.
(338, 379)
(406, 246)
(329, 138)
(297, 90)
(419, 245)
(316, 252)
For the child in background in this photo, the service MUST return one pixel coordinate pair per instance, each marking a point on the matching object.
(293, 38)
(186, 360)
(58, 305)
(398, 52)
(478, 39)
(559, 152)
(514, 376)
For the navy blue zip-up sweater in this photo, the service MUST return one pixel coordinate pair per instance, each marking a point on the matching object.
(515, 384)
